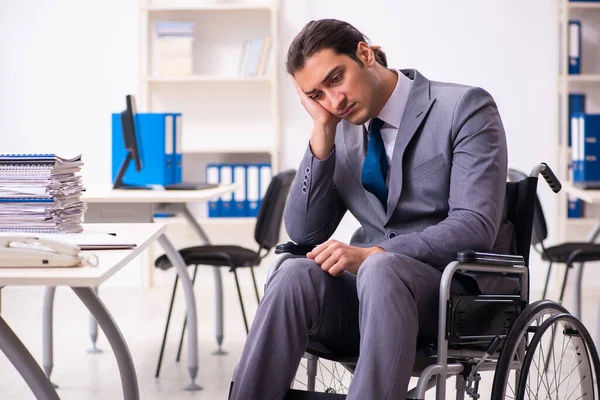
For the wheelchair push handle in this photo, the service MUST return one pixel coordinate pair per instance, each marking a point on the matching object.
(548, 175)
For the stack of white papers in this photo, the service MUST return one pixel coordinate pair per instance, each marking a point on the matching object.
(40, 193)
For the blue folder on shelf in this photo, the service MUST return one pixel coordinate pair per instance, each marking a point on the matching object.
(574, 47)
(585, 150)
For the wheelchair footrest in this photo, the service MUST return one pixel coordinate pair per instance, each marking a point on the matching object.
(477, 320)
(293, 394)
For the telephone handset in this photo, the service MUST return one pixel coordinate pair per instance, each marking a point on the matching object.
(26, 250)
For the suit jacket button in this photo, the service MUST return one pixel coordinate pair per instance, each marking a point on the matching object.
(392, 235)
(304, 190)
(307, 170)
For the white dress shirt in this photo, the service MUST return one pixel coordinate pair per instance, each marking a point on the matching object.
(391, 114)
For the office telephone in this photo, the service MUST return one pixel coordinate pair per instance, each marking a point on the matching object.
(27, 250)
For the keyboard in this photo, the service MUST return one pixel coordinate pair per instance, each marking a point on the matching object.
(191, 186)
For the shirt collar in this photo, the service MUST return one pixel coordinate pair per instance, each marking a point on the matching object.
(397, 101)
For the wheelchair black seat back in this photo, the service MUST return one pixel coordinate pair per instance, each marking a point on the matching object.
(536, 350)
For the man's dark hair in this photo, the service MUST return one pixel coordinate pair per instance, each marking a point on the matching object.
(333, 34)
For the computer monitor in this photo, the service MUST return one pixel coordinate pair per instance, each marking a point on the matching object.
(132, 143)
(133, 146)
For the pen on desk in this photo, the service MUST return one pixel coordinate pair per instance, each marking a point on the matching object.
(112, 234)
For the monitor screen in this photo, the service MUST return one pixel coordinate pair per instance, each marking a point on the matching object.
(131, 135)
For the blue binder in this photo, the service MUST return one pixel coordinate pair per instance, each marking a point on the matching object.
(252, 190)
(177, 145)
(212, 176)
(574, 47)
(226, 201)
(588, 151)
(265, 176)
(576, 105)
(575, 208)
(156, 143)
(239, 196)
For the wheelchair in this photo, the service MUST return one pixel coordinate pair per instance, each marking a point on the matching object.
(535, 350)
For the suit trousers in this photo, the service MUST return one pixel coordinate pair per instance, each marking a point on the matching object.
(377, 314)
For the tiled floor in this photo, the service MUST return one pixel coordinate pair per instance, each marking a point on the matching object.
(140, 315)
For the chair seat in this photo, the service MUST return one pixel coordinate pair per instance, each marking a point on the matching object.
(561, 252)
(220, 256)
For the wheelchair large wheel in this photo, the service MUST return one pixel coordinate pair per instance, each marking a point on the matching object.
(570, 371)
(331, 377)
(517, 345)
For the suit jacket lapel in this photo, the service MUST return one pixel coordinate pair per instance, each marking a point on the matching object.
(416, 111)
(353, 139)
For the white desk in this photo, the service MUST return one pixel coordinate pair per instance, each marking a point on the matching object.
(81, 280)
(123, 205)
(591, 197)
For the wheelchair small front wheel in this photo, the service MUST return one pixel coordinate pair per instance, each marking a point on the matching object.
(570, 370)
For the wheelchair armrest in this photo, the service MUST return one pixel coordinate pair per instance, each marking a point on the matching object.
(474, 257)
(293, 248)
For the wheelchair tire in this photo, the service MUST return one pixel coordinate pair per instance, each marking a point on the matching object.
(533, 315)
(554, 380)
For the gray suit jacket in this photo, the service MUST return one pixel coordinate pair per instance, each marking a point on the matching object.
(446, 184)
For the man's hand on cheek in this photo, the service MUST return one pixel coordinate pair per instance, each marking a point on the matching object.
(336, 257)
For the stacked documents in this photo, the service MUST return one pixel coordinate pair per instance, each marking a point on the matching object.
(40, 193)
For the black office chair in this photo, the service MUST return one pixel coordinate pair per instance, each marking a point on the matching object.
(266, 234)
(567, 253)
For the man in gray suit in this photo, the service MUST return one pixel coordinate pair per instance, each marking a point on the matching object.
(422, 166)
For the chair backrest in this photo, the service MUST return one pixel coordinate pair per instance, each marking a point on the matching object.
(270, 214)
(540, 229)
(520, 205)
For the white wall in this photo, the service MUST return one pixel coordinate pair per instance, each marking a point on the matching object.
(67, 64)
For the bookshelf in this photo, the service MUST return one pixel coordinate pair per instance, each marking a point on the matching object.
(227, 117)
(586, 82)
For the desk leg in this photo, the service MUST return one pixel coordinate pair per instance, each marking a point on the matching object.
(88, 297)
(190, 302)
(24, 362)
(94, 331)
(218, 281)
(47, 332)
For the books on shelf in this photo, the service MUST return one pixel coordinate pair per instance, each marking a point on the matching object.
(174, 48)
(40, 193)
(254, 58)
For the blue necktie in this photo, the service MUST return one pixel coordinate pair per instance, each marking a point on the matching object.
(375, 167)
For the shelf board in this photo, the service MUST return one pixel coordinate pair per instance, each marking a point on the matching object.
(584, 5)
(241, 6)
(587, 222)
(590, 78)
(207, 78)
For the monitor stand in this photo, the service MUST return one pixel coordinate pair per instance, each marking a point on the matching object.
(119, 178)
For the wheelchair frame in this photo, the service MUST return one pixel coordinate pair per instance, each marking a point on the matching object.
(441, 370)
(478, 360)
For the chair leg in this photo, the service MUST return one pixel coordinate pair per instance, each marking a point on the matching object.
(185, 321)
(164, 341)
(237, 283)
(564, 284)
(255, 286)
(547, 281)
